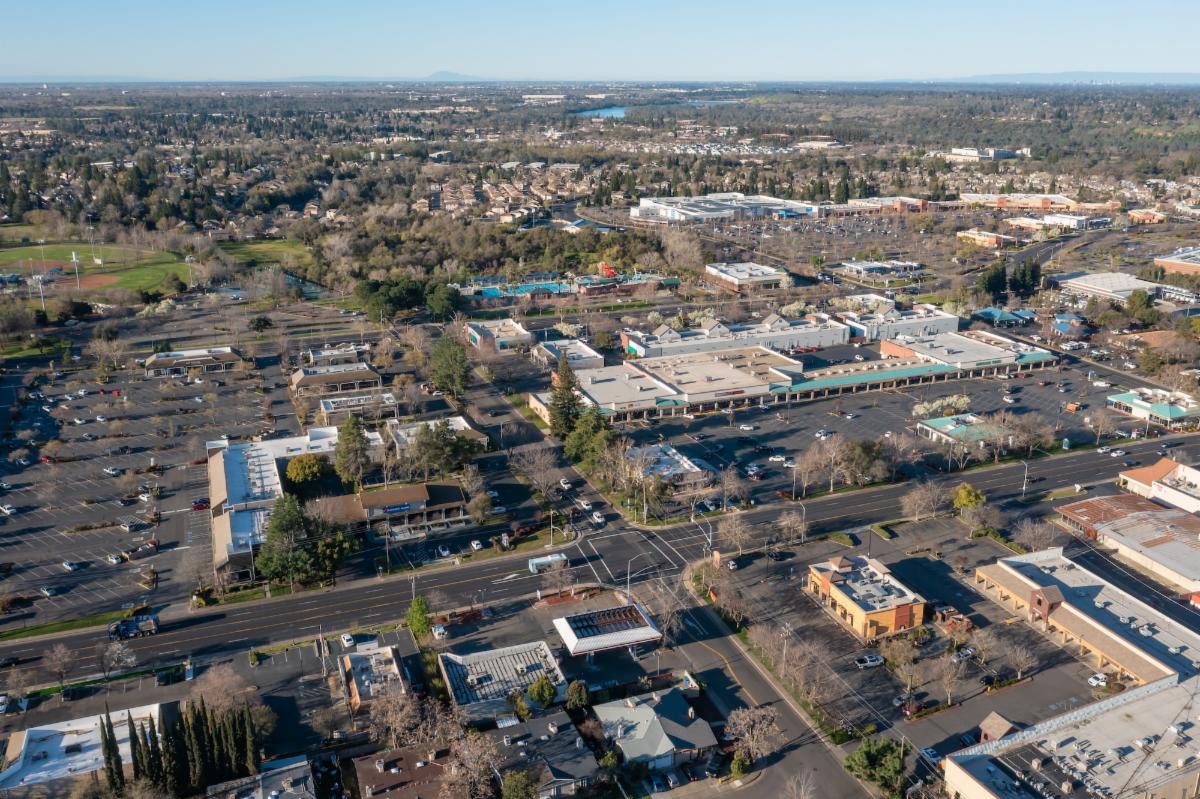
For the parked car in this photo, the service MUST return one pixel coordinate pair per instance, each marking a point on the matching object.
(200, 503)
(745, 427)
(347, 640)
(112, 471)
(731, 564)
(114, 559)
(443, 551)
(963, 654)
(868, 661)
(70, 565)
(476, 545)
(597, 517)
(48, 591)
(101, 419)
(931, 755)
(1098, 680)
(777, 458)
(900, 700)
(8, 510)
(565, 483)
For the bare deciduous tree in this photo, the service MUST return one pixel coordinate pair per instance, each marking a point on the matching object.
(395, 718)
(949, 674)
(221, 688)
(473, 760)
(537, 463)
(733, 531)
(1035, 534)
(923, 500)
(794, 526)
(1020, 659)
(755, 730)
(901, 653)
(801, 786)
(58, 662)
(115, 656)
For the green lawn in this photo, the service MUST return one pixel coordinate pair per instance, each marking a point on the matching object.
(132, 269)
(273, 251)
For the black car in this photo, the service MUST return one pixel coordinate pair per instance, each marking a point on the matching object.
(774, 554)
(8, 662)
(72, 692)
(701, 436)
(168, 676)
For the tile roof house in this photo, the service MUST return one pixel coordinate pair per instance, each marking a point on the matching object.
(659, 729)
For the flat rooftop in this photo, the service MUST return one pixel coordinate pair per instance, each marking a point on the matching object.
(67, 749)
(1186, 255)
(334, 369)
(385, 399)
(663, 460)
(573, 348)
(610, 628)
(499, 328)
(404, 434)
(738, 368)
(1160, 402)
(745, 270)
(1116, 283)
(494, 674)
(868, 583)
(624, 384)
(1126, 744)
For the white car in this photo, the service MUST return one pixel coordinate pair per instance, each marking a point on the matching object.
(565, 484)
(887, 433)
(112, 471)
(777, 458)
(1009, 399)
(3, 703)
(197, 399)
(597, 517)
(77, 420)
(347, 640)
(1098, 680)
(1117, 453)
(70, 565)
(145, 497)
(101, 419)
(585, 505)
(746, 427)
(789, 464)
(868, 661)
(115, 560)
(499, 509)
(476, 545)
(493, 494)
(8, 510)
(443, 551)
(731, 565)
(1104, 450)
(931, 754)
(963, 654)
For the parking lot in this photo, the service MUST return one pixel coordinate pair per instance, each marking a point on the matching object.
(774, 591)
(781, 432)
(86, 456)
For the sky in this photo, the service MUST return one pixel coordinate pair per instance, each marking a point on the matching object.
(620, 40)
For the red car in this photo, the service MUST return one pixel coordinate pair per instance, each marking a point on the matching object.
(200, 503)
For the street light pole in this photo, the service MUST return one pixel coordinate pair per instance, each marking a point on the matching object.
(1025, 479)
(629, 573)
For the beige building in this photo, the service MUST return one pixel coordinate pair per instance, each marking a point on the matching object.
(343, 378)
(865, 596)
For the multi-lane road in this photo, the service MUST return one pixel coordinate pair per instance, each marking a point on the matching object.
(610, 556)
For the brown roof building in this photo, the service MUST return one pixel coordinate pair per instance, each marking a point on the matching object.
(336, 379)
(400, 774)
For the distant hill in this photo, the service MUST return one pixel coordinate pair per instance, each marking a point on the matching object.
(443, 76)
(1097, 78)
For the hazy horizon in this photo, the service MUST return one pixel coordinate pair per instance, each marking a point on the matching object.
(700, 41)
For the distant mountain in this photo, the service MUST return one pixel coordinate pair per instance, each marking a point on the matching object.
(443, 76)
(1098, 78)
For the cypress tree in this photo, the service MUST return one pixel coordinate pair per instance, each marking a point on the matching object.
(136, 759)
(174, 766)
(251, 744)
(106, 753)
(157, 766)
(194, 757)
(118, 766)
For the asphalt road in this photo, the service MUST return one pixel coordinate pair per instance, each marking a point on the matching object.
(610, 555)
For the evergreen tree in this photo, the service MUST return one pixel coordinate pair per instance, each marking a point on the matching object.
(564, 402)
(250, 742)
(174, 759)
(114, 767)
(351, 457)
(195, 755)
(136, 758)
(155, 759)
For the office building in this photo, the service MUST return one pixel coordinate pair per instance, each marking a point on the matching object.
(1173, 410)
(773, 331)
(479, 683)
(499, 335)
(579, 355)
(1184, 261)
(182, 363)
